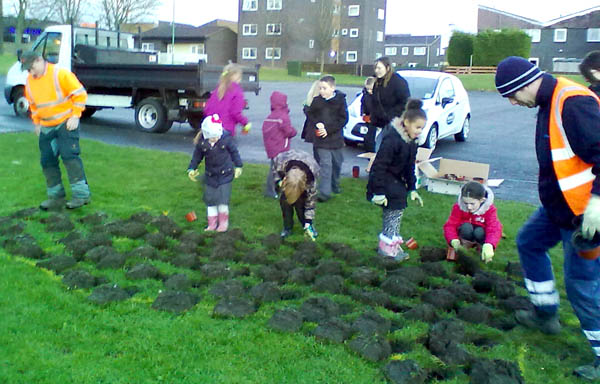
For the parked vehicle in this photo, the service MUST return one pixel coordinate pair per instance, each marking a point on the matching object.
(445, 101)
(116, 76)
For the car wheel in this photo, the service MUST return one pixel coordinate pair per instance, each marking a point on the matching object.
(432, 138)
(151, 116)
(20, 103)
(464, 133)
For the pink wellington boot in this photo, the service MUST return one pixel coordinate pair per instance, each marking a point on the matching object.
(223, 222)
(400, 254)
(386, 250)
(212, 223)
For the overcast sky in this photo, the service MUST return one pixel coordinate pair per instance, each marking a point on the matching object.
(424, 17)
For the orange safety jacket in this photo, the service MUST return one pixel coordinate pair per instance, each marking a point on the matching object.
(55, 96)
(575, 177)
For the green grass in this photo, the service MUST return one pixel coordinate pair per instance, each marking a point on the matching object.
(50, 334)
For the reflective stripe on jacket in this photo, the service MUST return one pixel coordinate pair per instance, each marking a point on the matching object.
(574, 176)
(55, 96)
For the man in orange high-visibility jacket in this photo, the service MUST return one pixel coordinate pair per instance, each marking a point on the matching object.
(56, 100)
(567, 142)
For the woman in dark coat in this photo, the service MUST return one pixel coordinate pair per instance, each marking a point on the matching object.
(390, 95)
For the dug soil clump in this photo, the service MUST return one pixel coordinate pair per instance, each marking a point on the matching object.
(110, 292)
(234, 307)
(80, 279)
(143, 271)
(404, 372)
(175, 301)
(286, 320)
(58, 264)
(335, 330)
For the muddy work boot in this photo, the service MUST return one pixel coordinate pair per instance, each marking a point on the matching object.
(52, 204)
(590, 372)
(75, 203)
(530, 319)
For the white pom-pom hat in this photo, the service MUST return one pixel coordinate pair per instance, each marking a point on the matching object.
(212, 127)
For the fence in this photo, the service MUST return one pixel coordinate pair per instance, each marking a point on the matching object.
(469, 70)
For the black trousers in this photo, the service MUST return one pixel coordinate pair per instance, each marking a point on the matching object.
(472, 233)
(287, 210)
(370, 138)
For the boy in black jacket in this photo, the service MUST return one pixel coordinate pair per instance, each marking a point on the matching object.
(328, 114)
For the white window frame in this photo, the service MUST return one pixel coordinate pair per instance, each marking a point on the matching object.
(197, 49)
(380, 36)
(349, 55)
(248, 28)
(270, 51)
(247, 53)
(534, 60)
(250, 5)
(381, 14)
(344, 31)
(593, 35)
(353, 32)
(557, 37)
(391, 51)
(353, 10)
(274, 5)
(311, 43)
(378, 55)
(273, 28)
(404, 51)
(419, 51)
(535, 34)
(146, 47)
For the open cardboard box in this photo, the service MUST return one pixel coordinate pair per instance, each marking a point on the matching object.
(461, 172)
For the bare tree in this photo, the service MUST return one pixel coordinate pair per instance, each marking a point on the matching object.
(117, 12)
(1, 28)
(324, 28)
(20, 9)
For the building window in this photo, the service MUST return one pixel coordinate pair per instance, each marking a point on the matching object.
(353, 32)
(197, 49)
(344, 31)
(351, 56)
(249, 53)
(391, 51)
(593, 35)
(273, 53)
(381, 14)
(437, 51)
(419, 51)
(336, 32)
(378, 55)
(535, 34)
(249, 29)
(273, 5)
(404, 51)
(147, 47)
(336, 9)
(379, 36)
(274, 29)
(311, 44)
(353, 10)
(250, 5)
(560, 35)
(412, 65)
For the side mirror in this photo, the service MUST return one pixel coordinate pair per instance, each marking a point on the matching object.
(19, 53)
(446, 101)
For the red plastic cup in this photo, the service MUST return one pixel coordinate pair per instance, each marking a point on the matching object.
(355, 171)
(412, 243)
(317, 132)
(191, 216)
(451, 254)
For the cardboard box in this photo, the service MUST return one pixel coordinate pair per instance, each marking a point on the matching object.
(451, 174)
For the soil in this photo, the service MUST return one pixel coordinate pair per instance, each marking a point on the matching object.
(26, 246)
(186, 260)
(371, 348)
(372, 297)
(286, 320)
(371, 323)
(272, 241)
(301, 276)
(95, 218)
(216, 270)
(432, 254)
(486, 371)
(266, 292)
(58, 223)
(108, 293)
(157, 240)
(175, 301)
(404, 372)
(329, 267)
(26, 213)
(186, 247)
(112, 261)
(58, 264)
(364, 276)
(330, 283)
(255, 256)
(422, 312)
(143, 271)
(319, 309)
(399, 286)
(228, 288)
(96, 254)
(142, 217)
(144, 252)
(444, 341)
(166, 226)
(440, 298)
(178, 282)
(79, 278)
(477, 313)
(193, 237)
(270, 273)
(335, 330)
(234, 307)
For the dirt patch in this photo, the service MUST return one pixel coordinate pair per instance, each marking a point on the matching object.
(272, 241)
(26, 246)
(144, 252)
(193, 237)
(286, 320)
(422, 312)
(79, 278)
(438, 269)
(466, 265)
(58, 264)
(175, 301)
(364, 276)
(26, 213)
(371, 323)
(484, 371)
(186, 247)
(329, 267)
(225, 252)
(108, 293)
(270, 273)
(463, 292)
(95, 218)
(142, 217)
(234, 307)
(228, 288)
(476, 314)
(371, 297)
(319, 309)
(443, 341)
(413, 274)
(432, 254)
(344, 252)
(157, 240)
(306, 257)
(372, 348)
(96, 254)
(143, 271)
(186, 260)
(404, 372)
(131, 229)
(330, 283)
(58, 223)
(266, 292)
(166, 226)
(301, 276)
(441, 299)
(14, 229)
(335, 330)
(178, 282)
(112, 261)
(515, 303)
(399, 286)
(514, 270)
(216, 270)
(255, 256)
(285, 265)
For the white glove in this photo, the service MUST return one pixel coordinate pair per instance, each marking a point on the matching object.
(414, 195)
(379, 200)
(591, 218)
(192, 174)
(487, 252)
(455, 243)
(237, 172)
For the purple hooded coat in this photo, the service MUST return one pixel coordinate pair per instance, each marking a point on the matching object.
(229, 108)
(277, 128)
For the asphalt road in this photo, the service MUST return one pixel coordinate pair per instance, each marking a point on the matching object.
(501, 135)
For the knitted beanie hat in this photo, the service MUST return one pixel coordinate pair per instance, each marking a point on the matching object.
(513, 73)
(212, 127)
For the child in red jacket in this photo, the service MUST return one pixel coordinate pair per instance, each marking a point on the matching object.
(473, 220)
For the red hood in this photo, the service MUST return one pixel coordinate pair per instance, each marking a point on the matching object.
(278, 101)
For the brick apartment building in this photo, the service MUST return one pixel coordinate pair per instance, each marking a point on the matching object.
(408, 51)
(272, 32)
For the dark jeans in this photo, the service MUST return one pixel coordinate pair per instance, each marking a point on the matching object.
(287, 210)
(370, 138)
(330, 161)
(471, 233)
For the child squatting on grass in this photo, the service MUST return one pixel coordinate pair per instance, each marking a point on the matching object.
(473, 221)
(392, 175)
(223, 164)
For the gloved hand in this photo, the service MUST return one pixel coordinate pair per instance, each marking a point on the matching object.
(379, 200)
(591, 218)
(310, 232)
(487, 252)
(246, 128)
(37, 129)
(455, 243)
(414, 195)
(237, 172)
(192, 174)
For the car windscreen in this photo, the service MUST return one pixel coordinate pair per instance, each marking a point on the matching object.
(421, 87)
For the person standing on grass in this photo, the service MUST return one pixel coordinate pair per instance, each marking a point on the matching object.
(567, 142)
(392, 176)
(56, 100)
(590, 69)
(223, 164)
(328, 114)
(312, 93)
(390, 94)
(366, 106)
(227, 100)
(277, 133)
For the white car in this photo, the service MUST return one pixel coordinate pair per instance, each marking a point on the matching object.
(444, 100)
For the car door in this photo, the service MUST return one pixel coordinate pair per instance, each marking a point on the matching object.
(448, 102)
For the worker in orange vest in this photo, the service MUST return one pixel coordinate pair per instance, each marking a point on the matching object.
(56, 101)
(567, 142)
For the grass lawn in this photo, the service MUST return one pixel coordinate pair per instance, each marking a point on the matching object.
(54, 335)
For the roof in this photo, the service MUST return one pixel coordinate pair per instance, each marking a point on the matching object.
(578, 19)
(410, 39)
(512, 15)
(164, 30)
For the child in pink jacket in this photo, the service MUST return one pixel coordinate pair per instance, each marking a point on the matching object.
(227, 100)
(474, 221)
(277, 133)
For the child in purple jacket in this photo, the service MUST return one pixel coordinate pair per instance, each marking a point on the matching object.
(277, 131)
(227, 100)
